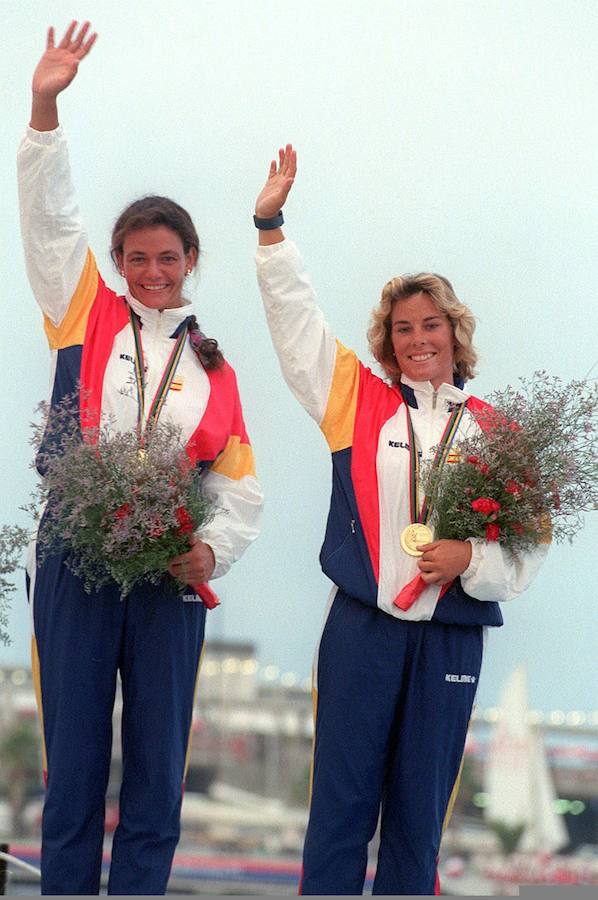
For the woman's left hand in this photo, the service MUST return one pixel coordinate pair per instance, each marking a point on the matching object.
(443, 560)
(196, 566)
(280, 180)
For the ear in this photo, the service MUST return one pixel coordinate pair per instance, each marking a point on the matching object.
(191, 258)
(117, 259)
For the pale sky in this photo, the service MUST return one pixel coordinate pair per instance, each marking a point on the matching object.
(456, 136)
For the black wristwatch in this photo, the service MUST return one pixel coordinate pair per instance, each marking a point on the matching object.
(269, 224)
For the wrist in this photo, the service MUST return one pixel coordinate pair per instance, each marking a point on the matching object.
(267, 238)
(44, 112)
(268, 223)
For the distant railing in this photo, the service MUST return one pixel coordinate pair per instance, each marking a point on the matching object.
(6, 857)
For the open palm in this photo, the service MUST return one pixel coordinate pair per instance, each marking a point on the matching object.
(279, 183)
(58, 66)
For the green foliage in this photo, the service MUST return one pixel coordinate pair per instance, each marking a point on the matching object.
(535, 458)
(120, 508)
(12, 542)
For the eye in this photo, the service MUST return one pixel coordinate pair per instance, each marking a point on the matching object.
(432, 325)
(169, 259)
(402, 329)
(136, 260)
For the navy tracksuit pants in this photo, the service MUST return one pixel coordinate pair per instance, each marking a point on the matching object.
(394, 700)
(82, 642)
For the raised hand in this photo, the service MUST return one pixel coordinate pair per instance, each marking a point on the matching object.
(58, 66)
(279, 183)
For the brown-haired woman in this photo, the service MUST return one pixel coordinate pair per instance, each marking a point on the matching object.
(394, 678)
(151, 638)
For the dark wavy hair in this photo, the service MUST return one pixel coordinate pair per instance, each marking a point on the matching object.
(152, 211)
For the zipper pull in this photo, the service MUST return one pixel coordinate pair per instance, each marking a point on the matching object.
(352, 526)
(434, 398)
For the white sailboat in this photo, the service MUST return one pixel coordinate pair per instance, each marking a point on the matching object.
(517, 778)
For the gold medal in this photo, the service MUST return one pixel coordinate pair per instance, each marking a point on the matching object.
(413, 535)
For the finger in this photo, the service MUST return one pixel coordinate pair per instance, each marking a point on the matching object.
(50, 38)
(293, 164)
(431, 546)
(272, 170)
(431, 577)
(68, 34)
(88, 45)
(288, 154)
(78, 38)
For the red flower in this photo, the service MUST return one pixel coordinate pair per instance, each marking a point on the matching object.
(156, 530)
(492, 532)
(475, 461)
(185, 521)
(123, 511)
(512, 487)
(517, 527)
(485, 505)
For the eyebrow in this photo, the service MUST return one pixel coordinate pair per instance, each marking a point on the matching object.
(408, 321)
(161, 253)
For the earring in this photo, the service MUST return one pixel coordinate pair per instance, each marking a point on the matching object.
(187, 273)
(122, 273)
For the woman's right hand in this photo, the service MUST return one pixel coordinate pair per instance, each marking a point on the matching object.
(58, 66)
(278, 184)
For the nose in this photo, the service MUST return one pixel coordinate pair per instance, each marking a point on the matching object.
(153, 269)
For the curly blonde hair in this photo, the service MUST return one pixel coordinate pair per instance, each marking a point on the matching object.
(440, 291)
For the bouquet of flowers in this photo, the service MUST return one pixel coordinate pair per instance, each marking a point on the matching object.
(12, 541)
(527, 476)
(120, 506)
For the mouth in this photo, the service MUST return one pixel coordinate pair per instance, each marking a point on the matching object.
(421, 357)
(153, 288)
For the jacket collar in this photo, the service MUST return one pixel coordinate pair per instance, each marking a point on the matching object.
(416, 393)
(166, 321)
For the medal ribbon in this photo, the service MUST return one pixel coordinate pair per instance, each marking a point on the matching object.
(165, 382)
(204, 591)
(423, 515)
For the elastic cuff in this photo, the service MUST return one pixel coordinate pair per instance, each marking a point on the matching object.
(265, 251)
(476, 558)
(44, 137)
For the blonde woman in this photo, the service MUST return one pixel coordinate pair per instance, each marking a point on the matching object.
(395, 680)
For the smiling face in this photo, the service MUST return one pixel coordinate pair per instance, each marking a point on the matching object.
(154, 263)
(422, 340)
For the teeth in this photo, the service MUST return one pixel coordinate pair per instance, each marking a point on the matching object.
(422, 357)
(154, 287)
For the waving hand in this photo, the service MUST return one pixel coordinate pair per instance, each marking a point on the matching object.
(55, 71)
(278, 184)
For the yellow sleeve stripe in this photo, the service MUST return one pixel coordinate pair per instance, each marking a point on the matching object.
(339, 418)
(235, 461)
(71, 330)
